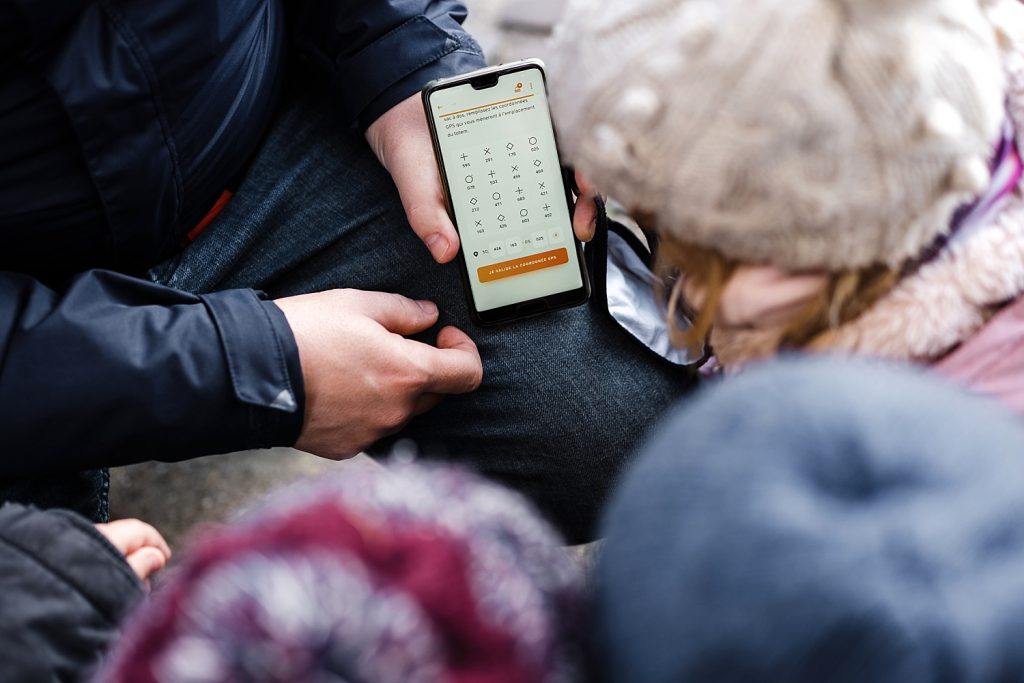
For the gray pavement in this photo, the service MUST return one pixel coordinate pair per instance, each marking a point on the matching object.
(177, 498)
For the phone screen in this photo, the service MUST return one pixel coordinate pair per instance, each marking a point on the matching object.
(507, 190)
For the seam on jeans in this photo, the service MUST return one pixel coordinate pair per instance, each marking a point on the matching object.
(105, 495)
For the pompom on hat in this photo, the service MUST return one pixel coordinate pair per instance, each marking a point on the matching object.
(415, 574)
(808, 134)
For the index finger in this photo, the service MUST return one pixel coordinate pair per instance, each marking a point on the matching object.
(453, 367)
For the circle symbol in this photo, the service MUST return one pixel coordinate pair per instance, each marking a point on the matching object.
(533, 141)
(524, 213)
(469, 179)
(496, 196)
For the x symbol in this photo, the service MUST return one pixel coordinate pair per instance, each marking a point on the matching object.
(515, 169)
(492, 174)
(519, 190)
(479, 224)
(487, 152)
(541, 185)
(547, 207)
(463, 157)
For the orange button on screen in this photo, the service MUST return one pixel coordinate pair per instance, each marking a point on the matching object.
(527, 264)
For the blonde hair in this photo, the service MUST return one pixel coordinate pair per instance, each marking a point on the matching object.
(845, 296)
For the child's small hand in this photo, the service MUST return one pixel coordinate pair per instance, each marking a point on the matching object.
(143, 547)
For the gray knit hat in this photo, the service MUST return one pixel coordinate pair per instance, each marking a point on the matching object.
(804, 133)
(819, 521)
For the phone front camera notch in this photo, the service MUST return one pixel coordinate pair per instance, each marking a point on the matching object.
(484, 82)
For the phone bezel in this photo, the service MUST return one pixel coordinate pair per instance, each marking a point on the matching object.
(529, 307)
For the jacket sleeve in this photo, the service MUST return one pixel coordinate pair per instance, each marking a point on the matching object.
(379, 52)
(117, 370)
(31, 23)
(63, 591)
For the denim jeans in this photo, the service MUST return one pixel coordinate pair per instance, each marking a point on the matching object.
(565, 396)
(819, 521)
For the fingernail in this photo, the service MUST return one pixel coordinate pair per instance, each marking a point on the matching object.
(437, 245)
(429, 308)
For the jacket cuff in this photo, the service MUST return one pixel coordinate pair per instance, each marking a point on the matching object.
(399, 63)
(263, 363)
(68, 547)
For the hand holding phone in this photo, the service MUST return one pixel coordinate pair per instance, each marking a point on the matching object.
(507, 192)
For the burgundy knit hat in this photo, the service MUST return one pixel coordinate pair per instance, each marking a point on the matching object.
(394, 576)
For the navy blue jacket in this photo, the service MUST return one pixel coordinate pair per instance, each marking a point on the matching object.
(120, 125)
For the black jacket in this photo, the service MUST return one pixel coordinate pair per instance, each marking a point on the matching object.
(63, 590)
(120, 125)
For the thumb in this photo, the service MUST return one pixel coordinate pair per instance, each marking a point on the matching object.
(407, 151)
(425, 207)
(146, 561)
(397, 313)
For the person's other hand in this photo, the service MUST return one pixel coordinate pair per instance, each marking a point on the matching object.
(401, 140)
(364, 379)
(143, 547)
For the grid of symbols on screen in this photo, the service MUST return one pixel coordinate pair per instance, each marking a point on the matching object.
(512, 197)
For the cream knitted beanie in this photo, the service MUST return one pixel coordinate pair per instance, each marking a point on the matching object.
(805, 133)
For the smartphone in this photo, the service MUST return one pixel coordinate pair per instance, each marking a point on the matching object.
(507, 192)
